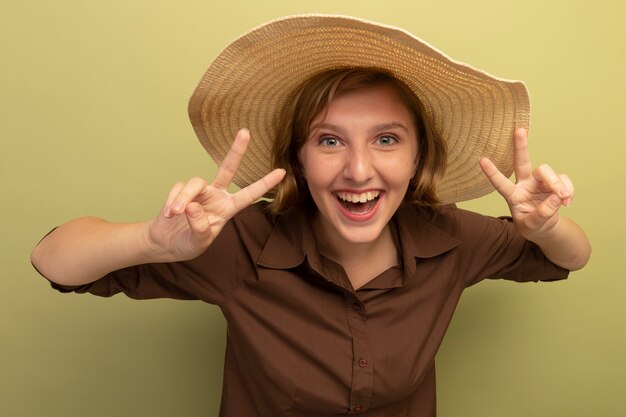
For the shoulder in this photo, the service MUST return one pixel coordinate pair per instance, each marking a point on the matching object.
(277, 239)
(258, 213)
(461, 223)
(254, 224)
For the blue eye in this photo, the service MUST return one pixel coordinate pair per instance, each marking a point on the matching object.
(386, 140)
(329, 141)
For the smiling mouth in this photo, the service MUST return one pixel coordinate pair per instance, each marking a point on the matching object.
(358, 203)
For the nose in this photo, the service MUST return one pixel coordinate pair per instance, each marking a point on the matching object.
(359, 166)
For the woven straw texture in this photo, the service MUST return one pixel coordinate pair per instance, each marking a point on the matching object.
(250, 80)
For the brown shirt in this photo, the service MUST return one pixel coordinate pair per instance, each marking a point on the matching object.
(301, 341)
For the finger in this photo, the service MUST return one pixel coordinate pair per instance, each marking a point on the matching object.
(167, 210)
(230, 164)
(523, 166)
(245, 197)
(546, 175)
(497, 179)
(187, 194)
(198, 223)
(569, 185)
(547, 209)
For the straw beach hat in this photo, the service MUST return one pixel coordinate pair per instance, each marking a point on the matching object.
(250, 80)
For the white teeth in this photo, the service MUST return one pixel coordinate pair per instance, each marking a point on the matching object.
(358, 198)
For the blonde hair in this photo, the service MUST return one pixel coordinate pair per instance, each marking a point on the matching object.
(294, 120)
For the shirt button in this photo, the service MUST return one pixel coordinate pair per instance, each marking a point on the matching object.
(362, 362)
(358, 409)
(357, 307)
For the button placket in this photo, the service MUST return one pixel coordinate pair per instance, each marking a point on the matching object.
(362, 370)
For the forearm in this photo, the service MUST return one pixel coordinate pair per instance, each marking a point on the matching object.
(87, 248)
(566, 245)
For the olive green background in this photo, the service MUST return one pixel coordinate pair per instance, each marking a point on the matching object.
(93, 120)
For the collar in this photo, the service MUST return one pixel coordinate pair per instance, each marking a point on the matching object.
(289, 242)
(420, 234)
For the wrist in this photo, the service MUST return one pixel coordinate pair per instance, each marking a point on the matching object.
(149, 248)
(548, 233)
(565, 244)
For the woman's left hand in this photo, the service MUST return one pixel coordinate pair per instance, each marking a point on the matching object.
(537, 194)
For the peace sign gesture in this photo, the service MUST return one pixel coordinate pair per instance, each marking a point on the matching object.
(195, 212)
(537, 194)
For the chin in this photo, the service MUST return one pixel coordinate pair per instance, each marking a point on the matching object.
(360, 234)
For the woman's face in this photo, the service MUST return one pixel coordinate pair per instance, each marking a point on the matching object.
(358, 161)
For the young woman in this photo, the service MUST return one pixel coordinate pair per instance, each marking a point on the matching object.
(338, 291)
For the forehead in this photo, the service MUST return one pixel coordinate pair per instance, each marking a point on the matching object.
(381, 100)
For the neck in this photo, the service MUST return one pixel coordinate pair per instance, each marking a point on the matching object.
(361, 261)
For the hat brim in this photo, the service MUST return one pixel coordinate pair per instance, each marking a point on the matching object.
(475, 113)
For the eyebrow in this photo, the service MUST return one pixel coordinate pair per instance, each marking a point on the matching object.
(389, 126)
(373, 129)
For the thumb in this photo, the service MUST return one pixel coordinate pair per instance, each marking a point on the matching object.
(198, 223)
(549, 207)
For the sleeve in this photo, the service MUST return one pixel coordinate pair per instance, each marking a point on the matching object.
(492, 248)
(210, 277)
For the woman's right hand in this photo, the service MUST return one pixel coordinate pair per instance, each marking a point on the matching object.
(195, 212)
(87, 248)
